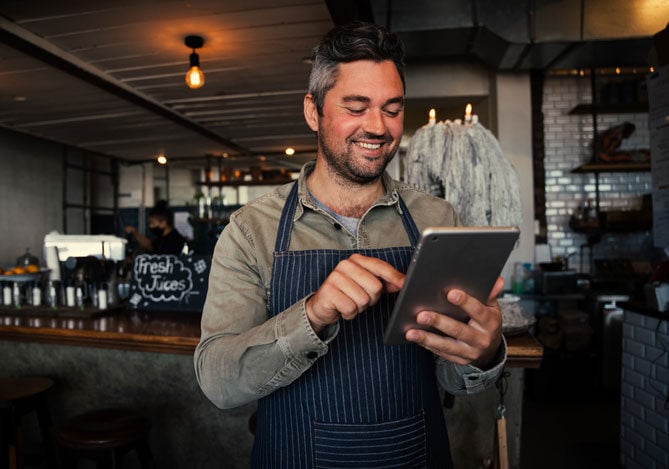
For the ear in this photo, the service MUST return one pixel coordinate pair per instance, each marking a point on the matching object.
(310, 112)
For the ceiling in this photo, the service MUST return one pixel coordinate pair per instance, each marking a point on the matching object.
(108, 77)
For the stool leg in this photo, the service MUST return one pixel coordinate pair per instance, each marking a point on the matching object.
(44, 420)
(5, 428)
(144, 453)
(69, 460)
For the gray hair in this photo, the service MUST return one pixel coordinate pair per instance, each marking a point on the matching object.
(349, 43)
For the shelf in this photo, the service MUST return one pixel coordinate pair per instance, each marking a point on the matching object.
(612, 168)
(621, 108)
(264, 182)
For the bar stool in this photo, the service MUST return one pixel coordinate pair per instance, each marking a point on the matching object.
(18, 397)
(104, 436)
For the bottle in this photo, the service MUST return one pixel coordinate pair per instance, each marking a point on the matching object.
(53, 296)
(518, 278)
(69, 296)
(7, 295)
(79, 293)
(102, 298)
(528, 283)
(37, 296)
(17, 295)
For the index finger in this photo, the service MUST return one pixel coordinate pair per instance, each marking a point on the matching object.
(392, 278)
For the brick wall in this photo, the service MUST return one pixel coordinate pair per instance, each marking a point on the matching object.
(644, 411)
(567, 146)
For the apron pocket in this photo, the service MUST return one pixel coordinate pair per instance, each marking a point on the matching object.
(400, 443)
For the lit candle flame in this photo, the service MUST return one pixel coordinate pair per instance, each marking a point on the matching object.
(468, 113)
(433, 116)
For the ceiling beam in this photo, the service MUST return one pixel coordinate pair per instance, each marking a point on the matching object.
(347, 11)
(39, 48)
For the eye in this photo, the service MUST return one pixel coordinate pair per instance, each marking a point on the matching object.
(355, 111)
(393, 112)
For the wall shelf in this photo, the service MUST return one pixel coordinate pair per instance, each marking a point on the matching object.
(263, 182)
(611, 168)
(607, 108)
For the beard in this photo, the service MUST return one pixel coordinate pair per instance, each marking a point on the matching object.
(346, 166)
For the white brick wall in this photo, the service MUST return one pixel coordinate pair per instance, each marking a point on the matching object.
(567, 146)
(644, 403)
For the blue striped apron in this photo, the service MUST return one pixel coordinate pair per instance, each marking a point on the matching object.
(363, 404)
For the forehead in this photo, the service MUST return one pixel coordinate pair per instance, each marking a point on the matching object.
(368, 78)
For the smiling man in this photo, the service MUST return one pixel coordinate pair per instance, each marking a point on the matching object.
(304, 279)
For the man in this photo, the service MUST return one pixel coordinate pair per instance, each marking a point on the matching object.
(303, 281)
(166, 240)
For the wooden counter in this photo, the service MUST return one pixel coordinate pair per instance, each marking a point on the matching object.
(165, 332)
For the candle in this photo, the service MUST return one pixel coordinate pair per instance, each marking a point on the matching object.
(468, 113)
(432, 117)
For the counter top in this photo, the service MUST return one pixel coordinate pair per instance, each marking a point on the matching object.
(164, 332)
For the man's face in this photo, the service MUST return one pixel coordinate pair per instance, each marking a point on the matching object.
(157, 226)
(361, 126)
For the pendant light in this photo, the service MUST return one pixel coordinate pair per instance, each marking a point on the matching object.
(194, 76)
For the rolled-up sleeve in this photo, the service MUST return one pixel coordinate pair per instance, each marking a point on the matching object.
(244, 355)
(462, 380)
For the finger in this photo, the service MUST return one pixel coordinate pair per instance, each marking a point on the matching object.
(444, 347)
(358, 290)
(356, 275)
(470, 305)
(496, 289)
(446, 325)
(392, 278)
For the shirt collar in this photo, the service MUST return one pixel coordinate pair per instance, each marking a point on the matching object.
(390, 195)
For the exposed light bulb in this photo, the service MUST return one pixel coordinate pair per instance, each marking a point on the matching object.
(290, 151)
(162, 159)
(194, 77)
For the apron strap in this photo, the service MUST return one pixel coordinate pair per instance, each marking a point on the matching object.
(286, 221)
(409, 224)
(288, 213)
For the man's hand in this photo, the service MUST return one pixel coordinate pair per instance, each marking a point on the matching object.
(355, 284)
(475, 342)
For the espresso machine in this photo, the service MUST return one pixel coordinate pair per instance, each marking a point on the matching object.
(84, 269)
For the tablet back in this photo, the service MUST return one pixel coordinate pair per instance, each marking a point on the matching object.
(467, 258)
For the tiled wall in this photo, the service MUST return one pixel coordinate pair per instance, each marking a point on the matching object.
(567, 146)
(644, 417)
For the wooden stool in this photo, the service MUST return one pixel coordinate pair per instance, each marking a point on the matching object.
(18, 397)
(105, 436)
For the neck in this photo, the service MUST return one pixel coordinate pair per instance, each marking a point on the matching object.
(343, 197)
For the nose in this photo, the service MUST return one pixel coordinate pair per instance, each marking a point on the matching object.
(374, 122)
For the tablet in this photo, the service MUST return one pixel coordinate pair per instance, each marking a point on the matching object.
(467, 258)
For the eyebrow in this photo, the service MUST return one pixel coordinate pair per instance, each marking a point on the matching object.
(364, 99)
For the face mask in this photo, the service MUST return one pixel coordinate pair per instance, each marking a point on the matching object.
(157, 231)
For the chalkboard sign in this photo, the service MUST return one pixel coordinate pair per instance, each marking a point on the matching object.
(166, 282)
